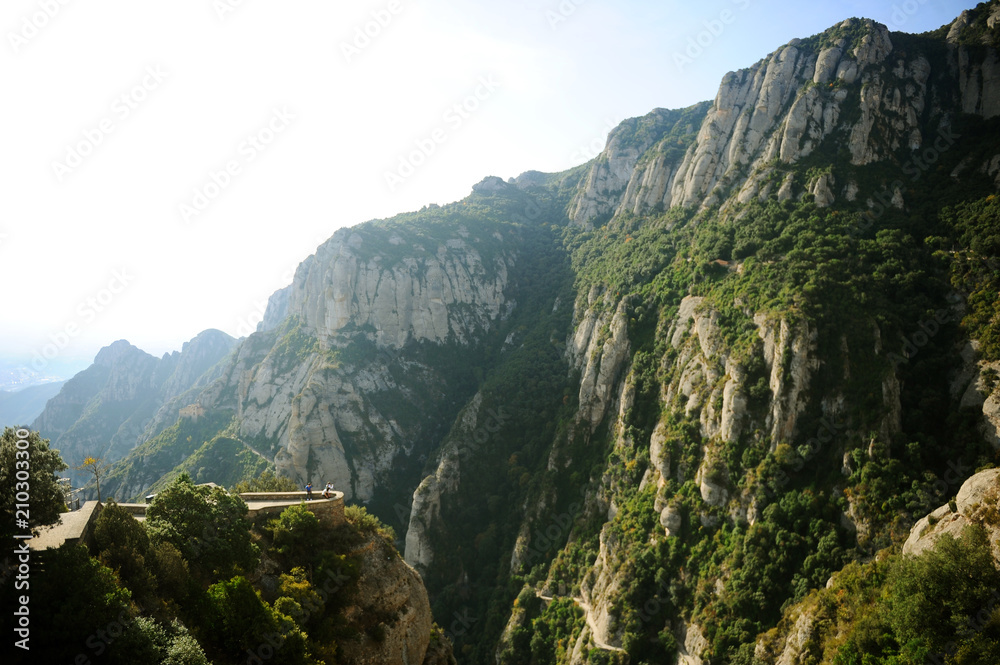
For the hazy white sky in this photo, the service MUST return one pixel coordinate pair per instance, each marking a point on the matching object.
(166, 165)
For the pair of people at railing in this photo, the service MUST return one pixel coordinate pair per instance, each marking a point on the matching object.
(327, 491)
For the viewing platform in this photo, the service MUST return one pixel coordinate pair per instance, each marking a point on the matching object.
(76, 526)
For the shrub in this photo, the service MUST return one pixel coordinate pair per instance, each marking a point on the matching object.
(295, 530)
(367, 523)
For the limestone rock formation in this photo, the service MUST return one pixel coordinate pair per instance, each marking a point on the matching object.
(432, 293)
(636, 169)
(276, 310)
(392, 603)
(599, 347)
(426, 510)
(978, 493)
(781, 110)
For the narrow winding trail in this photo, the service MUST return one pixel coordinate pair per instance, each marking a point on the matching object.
(583, 605)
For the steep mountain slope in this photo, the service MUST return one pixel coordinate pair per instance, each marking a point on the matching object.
(103, 410)
(770, 375)
(914, 603)
(362, 363)
(640, 408)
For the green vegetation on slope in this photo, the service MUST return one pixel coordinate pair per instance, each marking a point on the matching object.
(197, 582)
(150, 461)
(942, 606)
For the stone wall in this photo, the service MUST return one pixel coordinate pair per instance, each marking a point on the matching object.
(330, 512)
(76, 526)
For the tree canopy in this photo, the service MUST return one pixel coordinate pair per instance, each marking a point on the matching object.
(41, 464)
(206, 524)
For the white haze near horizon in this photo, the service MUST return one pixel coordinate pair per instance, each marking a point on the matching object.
(158, 99)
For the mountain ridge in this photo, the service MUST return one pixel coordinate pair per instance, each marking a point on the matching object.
(761, 323)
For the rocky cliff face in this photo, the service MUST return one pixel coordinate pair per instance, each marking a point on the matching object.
(321, 408)
(805, 631)
(977, 495)
(635, 171)
(437, 291)
(347, 376)
(848, 86)
(880, 100)
(391, 601)
(665, 386)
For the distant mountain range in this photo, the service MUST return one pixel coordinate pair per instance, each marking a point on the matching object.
(21, 407)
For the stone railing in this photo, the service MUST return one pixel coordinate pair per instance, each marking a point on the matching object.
(76, 526)
(330, 512)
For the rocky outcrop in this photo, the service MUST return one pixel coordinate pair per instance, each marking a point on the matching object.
(305, 408)
(979, 494)
(392, 605)
(635, 171)
(196, 357)
(788, 355)
(703, 372)
(978, 75)
(599, 348)
(447, 292)
(810, 626)
(792, 649)
(691, 644)
(971, 388)
(599, 590)
(612, 171)
(847, 85)
(822, 190)
(426, 510)
(276, 310)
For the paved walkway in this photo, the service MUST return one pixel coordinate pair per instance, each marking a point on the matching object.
(70, 527)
